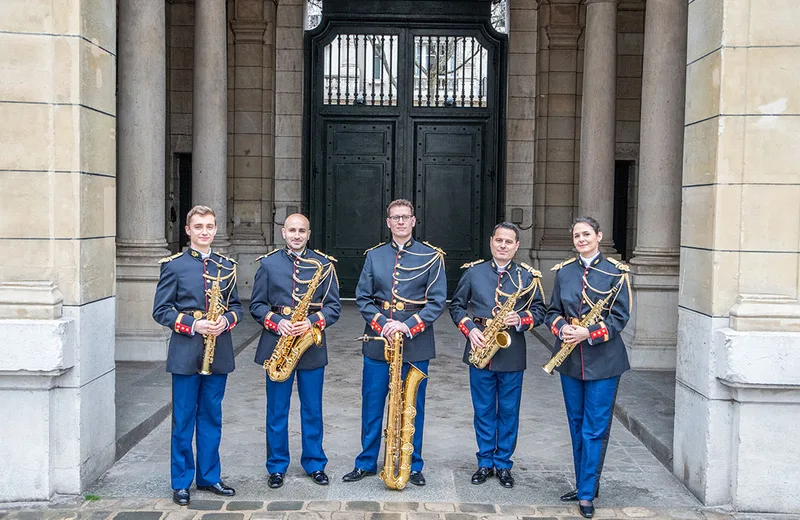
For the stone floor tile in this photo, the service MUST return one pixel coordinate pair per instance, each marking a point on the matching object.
(638, 512)
(347, 515)
(362, 505)
(267, 515)
(181, 514)
(308, 515)
(324, 505)
(460, 516)
(538, 518)
(401, 506)
(519, 510)
(477, 508)
(206, 505)
(107, 504)
(683, 514)
(91, 515)
(385, 516)
(440, 507)
(713, 515)
(139, 515)
(134, 504)
(165, 504)
(557, 510)
(243, 505)
(222, 516)
(285, 505)
(413, 515)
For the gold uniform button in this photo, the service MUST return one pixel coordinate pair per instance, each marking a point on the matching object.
(287, 309)
(197, 314)
(399, 306)
(386, 306)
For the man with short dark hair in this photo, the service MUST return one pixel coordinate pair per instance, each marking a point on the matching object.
(181, 303)
(496, 388)
(402, 288)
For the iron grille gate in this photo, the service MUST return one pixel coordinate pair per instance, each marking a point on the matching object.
(403, 111)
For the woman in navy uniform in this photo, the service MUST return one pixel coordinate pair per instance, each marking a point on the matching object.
(497, 388)
(181, 304)
(590, 374)
(402, 288)
(281, 282)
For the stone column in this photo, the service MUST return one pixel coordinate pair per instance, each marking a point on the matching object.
(656, 257)
(210, 114)
(141, 128)
(598, 116)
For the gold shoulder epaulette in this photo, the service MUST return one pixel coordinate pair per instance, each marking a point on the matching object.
(437, 249)
(374, 247)
(329, 257)
(264, 256)
(229, 259)
(534, 272)
(169, 258)
(619, 265)
(470, 264)
(562, 264)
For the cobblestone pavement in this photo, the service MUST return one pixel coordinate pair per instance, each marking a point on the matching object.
(206, 508)
(634, 484)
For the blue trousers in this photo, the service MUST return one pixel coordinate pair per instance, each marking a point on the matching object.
(590, 408)
(495, 401)
(279, 396)
(196, 410)
(374, 389)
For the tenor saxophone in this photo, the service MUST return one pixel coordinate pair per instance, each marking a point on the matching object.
(567, 347)
(215, 310)
(290, 349)
(399, 433)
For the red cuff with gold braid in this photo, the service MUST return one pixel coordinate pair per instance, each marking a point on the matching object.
(462, 326)
(375, 325)
(181, 327)
(526, 319)
(235, 320)
(600, 332)
(419, 327)
(321, 321)
(554, 327)
(268, 323)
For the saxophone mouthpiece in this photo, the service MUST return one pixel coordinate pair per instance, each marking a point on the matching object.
(363, 338)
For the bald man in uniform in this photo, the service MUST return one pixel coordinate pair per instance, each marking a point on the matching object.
(281, 282)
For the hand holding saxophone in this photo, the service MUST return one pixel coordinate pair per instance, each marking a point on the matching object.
(287, 328)
(574, 333)
(476, 339)
(211, 328)
(511, 319)
(393, 326)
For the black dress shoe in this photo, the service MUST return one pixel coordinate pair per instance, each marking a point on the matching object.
(417, 478)
(219, 489)
(505, 478)
(570, 497)
(356, 475)
(275, 480)
(480, 476)
(180, 497)
(586, 511)
(319, 477)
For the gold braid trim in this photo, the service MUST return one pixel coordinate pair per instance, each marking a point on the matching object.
(470, 264)
(562, 264)
(374, 247)
(170, 258)
(264, 256)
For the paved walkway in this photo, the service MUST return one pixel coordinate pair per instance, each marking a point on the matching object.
(634, 483)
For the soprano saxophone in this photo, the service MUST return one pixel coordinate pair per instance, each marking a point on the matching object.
(399, 433)
(215, 310)
(567, 347)
(290, 349)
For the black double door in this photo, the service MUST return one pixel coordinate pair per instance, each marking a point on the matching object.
(403, 112)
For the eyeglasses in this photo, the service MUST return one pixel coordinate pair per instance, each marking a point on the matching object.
(401, 218)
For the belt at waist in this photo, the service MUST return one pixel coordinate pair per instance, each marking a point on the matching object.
(398, 306)
(195, 313)
(286, 310)
(480, 320)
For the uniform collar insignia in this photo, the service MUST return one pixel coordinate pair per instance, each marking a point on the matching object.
(194, 253)
(408, 244)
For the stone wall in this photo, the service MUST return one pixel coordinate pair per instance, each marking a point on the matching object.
(738, 375)
(58, 162)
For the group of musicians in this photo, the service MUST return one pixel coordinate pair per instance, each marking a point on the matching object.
(402, 289)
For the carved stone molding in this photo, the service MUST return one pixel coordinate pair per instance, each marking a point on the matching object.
(248, 31)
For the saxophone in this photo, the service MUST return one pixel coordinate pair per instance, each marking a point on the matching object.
(215, 310)
(400, 417)
(290, 349)
(495, 333)
(566, 347)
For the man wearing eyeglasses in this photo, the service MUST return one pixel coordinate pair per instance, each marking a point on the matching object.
(402, 288)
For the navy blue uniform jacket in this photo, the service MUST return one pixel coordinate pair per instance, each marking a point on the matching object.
(181, 300)
(605, 356)
(482, 287)
(414, 276)
(281, 282)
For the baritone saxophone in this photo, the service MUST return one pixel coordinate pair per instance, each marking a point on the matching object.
(399, 433)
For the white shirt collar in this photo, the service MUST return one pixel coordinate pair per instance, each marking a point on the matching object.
(588, 261)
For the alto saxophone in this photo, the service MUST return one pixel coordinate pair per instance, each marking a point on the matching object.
(495, 334)
(215, 310)
(399, 433)
(567, 347)
(290, 349)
